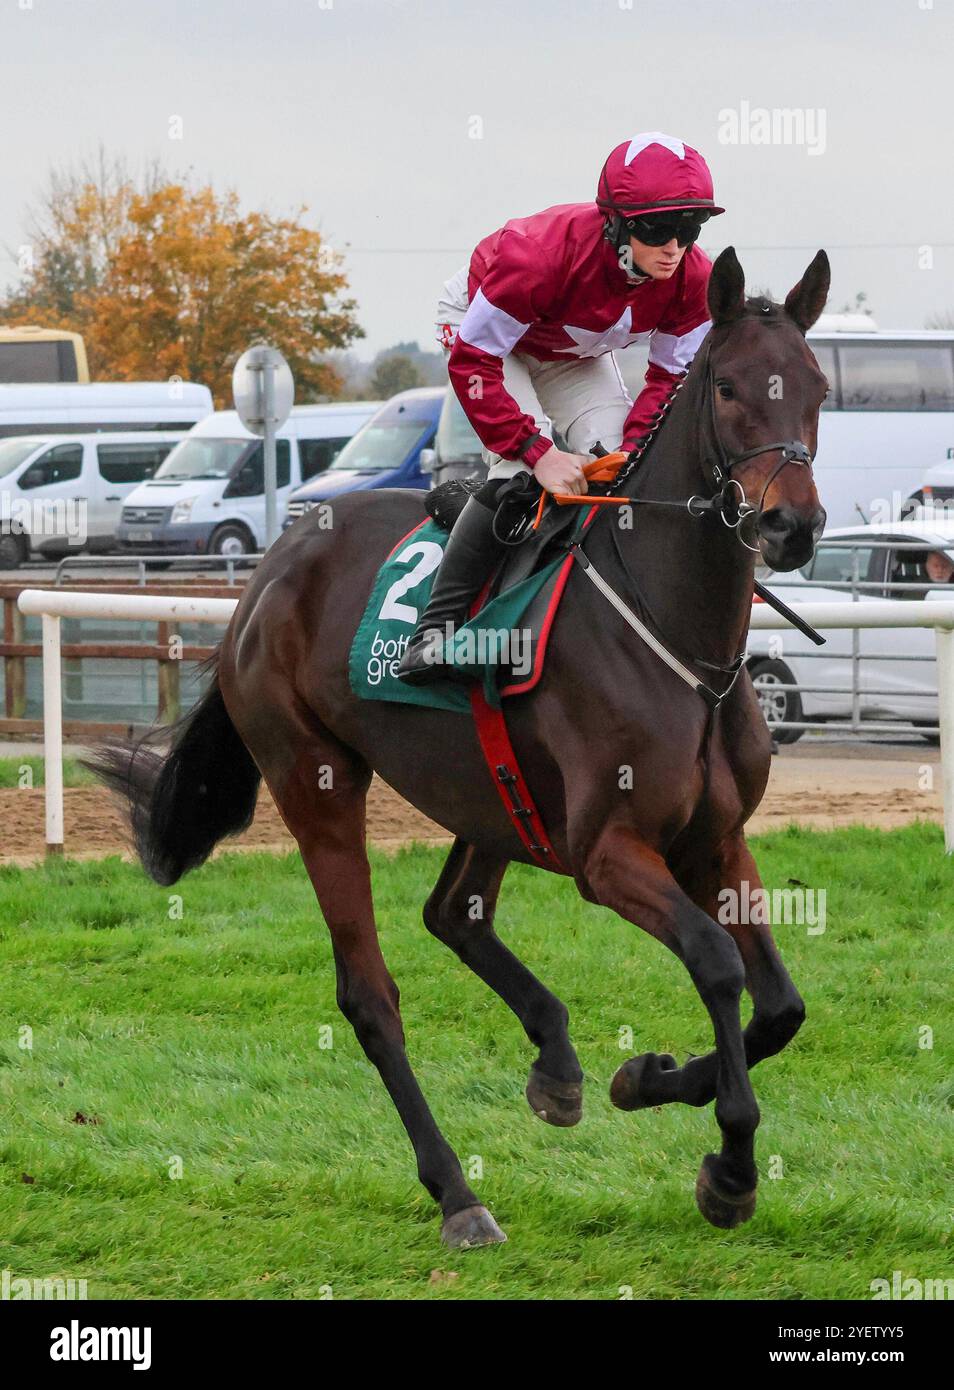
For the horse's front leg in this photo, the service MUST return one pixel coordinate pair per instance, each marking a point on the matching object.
(778, 1010)
(627, 875)
(460, 912)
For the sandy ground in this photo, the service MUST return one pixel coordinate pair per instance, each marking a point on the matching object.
(814, 784)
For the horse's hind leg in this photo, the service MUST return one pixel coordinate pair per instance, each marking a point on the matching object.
(460, 912)
(329, 826)
(636, 882)
(778, 1011)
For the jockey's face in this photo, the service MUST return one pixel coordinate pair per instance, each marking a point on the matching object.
(661, 262)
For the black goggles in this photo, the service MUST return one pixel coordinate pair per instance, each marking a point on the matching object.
(656, 229)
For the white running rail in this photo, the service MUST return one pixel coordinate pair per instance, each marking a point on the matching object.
(53, 605)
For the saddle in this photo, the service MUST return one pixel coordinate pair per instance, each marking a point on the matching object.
(530, 552)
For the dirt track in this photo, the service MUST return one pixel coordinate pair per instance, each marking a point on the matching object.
(823, 786)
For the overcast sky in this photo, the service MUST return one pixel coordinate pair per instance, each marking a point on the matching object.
(366, 111)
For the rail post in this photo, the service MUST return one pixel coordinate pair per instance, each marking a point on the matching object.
(53, 732)
(944, 638)
(14, 667)
(170, 686)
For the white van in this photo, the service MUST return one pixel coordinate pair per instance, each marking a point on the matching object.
(208, 498)
(100, 406)
(61, 493)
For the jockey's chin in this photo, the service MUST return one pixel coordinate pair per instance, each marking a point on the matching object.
(661, 262)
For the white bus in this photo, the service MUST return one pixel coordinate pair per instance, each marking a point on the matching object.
(102, 406)
(889, 416)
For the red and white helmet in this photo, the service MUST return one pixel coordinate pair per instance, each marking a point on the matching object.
(653, 172)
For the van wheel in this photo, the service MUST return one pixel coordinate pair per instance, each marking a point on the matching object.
(230, 539)
(778, 706)
(13, 551)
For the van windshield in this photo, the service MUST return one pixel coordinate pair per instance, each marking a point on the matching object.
(382, 444)
(204, 458)
(456, 440)
(14, 451)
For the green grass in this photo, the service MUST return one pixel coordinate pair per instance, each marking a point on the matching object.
(29, 772)
(198, 1038)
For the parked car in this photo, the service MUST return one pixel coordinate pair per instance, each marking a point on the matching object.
(208, 498)
(897, 673)
(63, 493)
(385, 452)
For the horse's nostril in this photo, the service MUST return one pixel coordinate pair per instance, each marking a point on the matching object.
(777, 523)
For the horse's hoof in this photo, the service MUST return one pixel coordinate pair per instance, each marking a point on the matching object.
(557, 1102)
(471, 1227)
(723, 1209)
(625, 1088)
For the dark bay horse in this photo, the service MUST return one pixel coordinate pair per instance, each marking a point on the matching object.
(280, 708)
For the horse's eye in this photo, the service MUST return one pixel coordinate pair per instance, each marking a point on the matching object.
(725, 390)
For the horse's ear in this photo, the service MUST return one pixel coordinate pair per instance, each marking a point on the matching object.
(806, 301)
(726, 287)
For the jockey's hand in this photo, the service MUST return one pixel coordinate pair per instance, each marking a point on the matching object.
(560, 472)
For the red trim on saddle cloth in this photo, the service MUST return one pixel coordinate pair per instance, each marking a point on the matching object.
(521, 687)
(406, 538)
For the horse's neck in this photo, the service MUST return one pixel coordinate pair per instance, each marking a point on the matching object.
(694, 573)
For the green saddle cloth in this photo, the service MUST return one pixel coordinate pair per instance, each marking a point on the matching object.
(488, 644)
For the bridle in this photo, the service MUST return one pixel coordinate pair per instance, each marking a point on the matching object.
(734, 511)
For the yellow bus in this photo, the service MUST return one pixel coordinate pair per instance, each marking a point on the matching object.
(41, 354)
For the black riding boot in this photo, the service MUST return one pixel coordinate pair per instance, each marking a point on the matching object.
(468, 559)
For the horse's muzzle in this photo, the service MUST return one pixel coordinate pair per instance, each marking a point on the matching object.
(787, 538)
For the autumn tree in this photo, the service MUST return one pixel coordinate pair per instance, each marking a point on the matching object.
(72, 232)
(176, 280)
(393, 374)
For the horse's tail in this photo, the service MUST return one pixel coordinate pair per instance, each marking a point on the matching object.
(182, 802)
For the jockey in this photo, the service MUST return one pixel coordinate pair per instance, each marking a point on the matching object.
(530, 329)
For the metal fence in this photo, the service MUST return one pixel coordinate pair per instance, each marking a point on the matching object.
(854, 587)
(117, 675)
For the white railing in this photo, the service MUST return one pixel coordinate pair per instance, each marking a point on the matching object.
(53, 605)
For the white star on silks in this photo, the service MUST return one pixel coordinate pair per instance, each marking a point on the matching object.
(590, 343)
